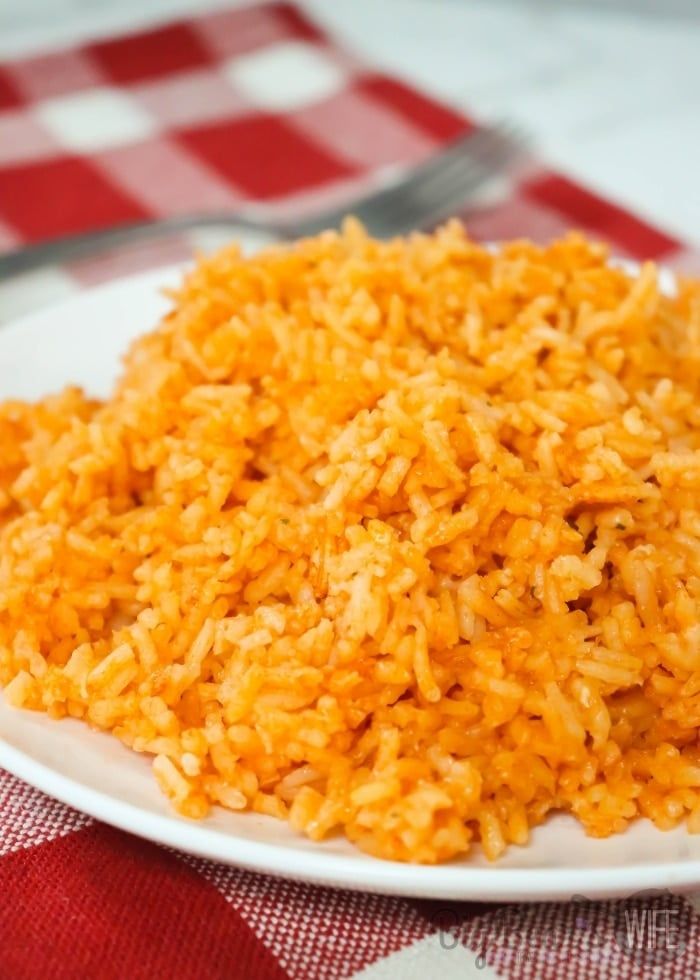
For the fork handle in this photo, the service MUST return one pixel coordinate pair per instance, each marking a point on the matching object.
(71, 247)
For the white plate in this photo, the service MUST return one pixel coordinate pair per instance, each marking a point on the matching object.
(80, 341)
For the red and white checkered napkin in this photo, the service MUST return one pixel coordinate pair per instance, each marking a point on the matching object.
(255, 103)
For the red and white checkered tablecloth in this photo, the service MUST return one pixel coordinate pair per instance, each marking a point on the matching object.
(259, 104)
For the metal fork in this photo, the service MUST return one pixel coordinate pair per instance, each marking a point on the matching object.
(418, 196)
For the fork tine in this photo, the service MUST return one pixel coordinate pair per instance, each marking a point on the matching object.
(439, 193)
(460, 168)
(470, 146)
(454, 194)
(493, 149)
(467, 157)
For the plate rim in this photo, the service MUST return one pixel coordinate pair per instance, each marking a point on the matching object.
(451, 881)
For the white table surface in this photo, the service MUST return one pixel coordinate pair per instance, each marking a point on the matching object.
(610, 91)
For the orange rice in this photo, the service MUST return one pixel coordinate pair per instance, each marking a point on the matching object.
(399, 540)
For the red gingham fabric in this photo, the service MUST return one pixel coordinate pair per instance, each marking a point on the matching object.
(258, 104)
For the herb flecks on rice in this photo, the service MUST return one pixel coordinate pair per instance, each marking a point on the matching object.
(400, 540)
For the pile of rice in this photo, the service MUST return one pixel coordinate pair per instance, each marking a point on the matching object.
(398, 540)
